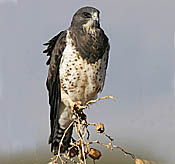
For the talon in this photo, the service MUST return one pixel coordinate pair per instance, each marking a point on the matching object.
(78, 105)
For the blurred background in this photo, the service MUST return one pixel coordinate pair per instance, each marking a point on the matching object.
(141, 73)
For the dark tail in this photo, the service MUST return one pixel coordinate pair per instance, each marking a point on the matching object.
(56, 137)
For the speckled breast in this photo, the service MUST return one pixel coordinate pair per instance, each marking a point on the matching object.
(79, 80)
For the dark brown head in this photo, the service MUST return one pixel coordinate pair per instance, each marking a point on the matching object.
(86, 17)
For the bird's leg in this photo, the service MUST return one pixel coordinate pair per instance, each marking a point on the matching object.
(70, 103)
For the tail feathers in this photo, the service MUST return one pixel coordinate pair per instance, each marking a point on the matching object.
(56, 138)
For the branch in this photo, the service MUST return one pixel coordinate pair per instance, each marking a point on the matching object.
(82, 144)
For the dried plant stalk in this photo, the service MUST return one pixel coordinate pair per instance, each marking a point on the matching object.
(83, 143)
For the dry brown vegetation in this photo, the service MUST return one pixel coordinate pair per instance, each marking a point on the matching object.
(83, 147)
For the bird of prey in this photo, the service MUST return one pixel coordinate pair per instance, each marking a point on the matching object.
(78, 59)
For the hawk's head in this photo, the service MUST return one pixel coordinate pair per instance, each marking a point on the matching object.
(86, 17)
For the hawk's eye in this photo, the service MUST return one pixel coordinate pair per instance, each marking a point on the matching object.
(86, 15)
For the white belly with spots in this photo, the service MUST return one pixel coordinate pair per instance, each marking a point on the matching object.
(79, 80)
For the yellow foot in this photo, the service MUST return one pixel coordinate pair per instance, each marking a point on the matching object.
(76, 105)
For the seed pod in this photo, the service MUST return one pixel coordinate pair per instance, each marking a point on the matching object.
(73, 152)
(94, 154)
(138, 161)
(100, 128)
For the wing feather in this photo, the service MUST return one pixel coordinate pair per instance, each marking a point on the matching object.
(54, 50)
(107, 53)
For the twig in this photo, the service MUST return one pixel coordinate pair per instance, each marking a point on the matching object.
(101, 98)
(113, 146)
(82, 143)
(124, 151)
(61, 142)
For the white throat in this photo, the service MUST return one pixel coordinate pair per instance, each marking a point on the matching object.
(88, 27)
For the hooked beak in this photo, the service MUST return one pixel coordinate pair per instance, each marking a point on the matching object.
(95, 17)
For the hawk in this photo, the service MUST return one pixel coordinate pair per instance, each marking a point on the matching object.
(78, 59)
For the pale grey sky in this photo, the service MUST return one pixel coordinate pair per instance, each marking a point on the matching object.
(140, 72)
(7, 1)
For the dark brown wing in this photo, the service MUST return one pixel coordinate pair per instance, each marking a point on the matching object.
(54, 50)
(107, 53)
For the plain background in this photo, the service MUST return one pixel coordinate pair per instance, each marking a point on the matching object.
(140, 73)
